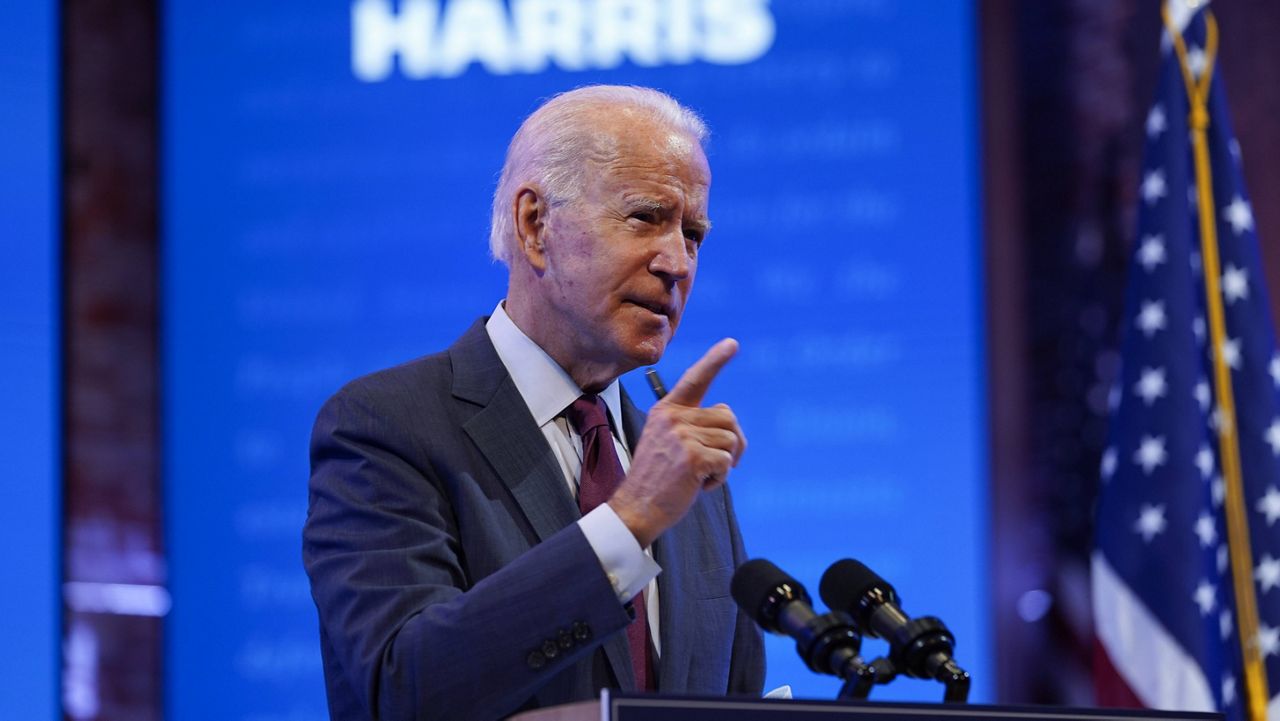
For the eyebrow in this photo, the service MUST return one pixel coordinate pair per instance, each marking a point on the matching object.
(702, 225)
(645, 202)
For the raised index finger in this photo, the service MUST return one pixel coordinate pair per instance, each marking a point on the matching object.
(693, 385)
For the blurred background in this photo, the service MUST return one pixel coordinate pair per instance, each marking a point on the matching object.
(214, 215)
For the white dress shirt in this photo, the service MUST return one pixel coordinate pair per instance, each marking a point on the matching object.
(548, 390)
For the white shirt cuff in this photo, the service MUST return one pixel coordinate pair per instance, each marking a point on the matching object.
(629, 568)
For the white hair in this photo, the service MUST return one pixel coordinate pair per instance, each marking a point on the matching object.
(554, 143)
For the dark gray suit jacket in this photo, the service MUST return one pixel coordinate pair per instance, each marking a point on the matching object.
(450, 576)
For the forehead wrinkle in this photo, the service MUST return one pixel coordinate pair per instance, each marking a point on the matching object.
(603, 148)
(630, 137)
(661, 170)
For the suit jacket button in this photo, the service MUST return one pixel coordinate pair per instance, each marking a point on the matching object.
(581, 631)
(550, 649)
(536, 660)
(565, 639)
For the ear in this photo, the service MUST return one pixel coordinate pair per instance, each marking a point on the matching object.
(530, 213)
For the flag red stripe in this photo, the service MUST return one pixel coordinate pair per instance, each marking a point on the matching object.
(1108, 685)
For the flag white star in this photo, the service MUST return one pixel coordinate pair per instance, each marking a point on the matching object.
(1218, 491)
(1239, 214)
(1235, 284)
(1269, 505)
(1223, 558)
(1151, 522)
(1151, 385)
(1228, 681)
(1153, 186)
(1202, 395)
(1151, 252)
(1268, 640)
(1224, 624)
(1156, 122)
(1197, 61)
(1274, 369)
(1273, 436)
(1231, 353)
(1151, 318)
(1267, 574)
(1113, 397)
(1108, 463)
(1204, 461)
(1218, 420)
(1150, 454)
(1206, 597)
(1197, 328)
(1206, 531)
(1234, 147)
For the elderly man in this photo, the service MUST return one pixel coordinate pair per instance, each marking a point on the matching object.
(488, 529)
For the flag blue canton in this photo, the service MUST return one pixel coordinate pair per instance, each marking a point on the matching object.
(1160, 520)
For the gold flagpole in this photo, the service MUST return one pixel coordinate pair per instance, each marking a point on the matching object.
(1255, 677)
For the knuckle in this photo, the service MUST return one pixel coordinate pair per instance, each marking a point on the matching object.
(723, 462)
(684, 432)
(690, 455)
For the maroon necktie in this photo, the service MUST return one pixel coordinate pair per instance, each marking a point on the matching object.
(601, 474)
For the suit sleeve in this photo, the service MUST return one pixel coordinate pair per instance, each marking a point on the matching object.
(408, 633)
(747, 663)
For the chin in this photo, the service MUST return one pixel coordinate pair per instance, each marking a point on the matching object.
(648, 351)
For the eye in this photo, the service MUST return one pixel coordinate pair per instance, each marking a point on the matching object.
(645, 216)
(694, 236)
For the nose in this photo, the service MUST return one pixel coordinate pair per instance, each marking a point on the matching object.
(671, 259)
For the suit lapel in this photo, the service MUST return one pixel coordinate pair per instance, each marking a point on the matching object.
(632, 421)
(673, 665)
(505, 433)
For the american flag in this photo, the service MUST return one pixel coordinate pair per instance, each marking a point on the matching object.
(1167, 616)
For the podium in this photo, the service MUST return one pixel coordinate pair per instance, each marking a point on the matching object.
(613, 706)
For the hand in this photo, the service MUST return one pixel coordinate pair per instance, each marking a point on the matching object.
(685, 449)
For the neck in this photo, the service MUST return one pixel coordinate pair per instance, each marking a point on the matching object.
(590, 376)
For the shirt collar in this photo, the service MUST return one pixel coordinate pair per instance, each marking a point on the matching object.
(545, 387)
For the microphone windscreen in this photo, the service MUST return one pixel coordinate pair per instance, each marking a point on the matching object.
(753, 583)
(847, 581)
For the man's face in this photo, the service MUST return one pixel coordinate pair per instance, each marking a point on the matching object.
(621, 259)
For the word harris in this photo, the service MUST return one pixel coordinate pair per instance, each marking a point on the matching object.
(434, 39)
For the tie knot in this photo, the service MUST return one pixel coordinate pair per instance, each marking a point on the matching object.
(587, 413)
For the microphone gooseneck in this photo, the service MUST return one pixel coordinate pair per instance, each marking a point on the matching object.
(828, 643)
(921, 647)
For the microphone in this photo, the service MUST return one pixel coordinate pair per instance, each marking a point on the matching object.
(921, 647)
(827, 643)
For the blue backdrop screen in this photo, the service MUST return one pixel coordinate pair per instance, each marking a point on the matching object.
(29, 517)
(328, 169)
